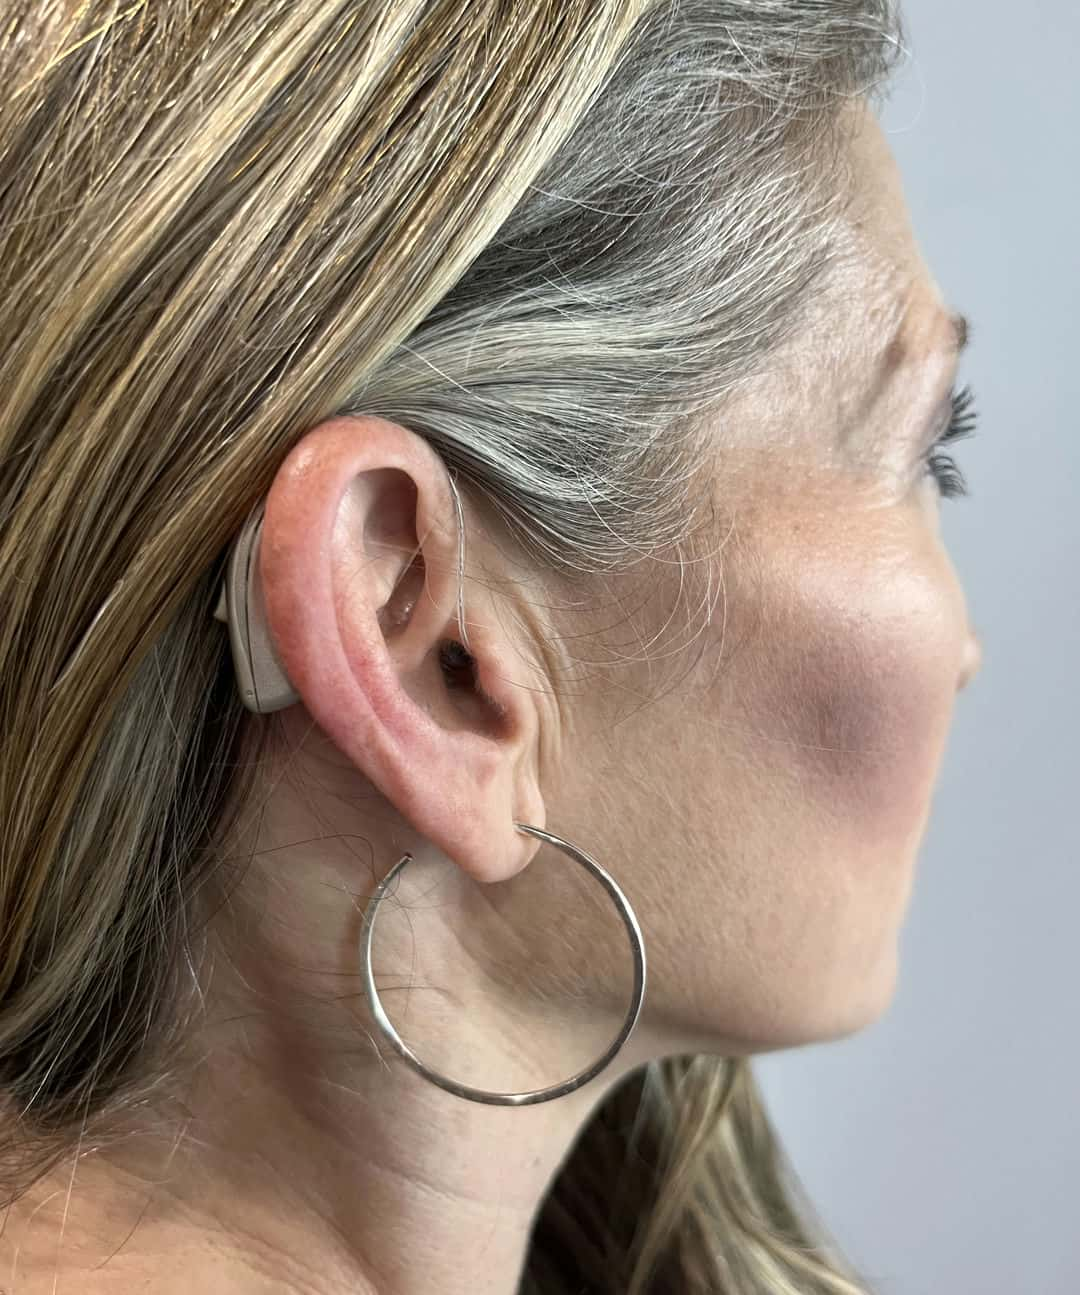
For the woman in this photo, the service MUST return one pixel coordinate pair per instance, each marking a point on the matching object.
(549, 400)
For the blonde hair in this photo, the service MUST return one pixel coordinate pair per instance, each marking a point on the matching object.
(542, 233)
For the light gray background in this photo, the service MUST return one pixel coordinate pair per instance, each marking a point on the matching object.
(942, 1144)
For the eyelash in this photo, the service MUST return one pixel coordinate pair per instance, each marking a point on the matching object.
(942, 466)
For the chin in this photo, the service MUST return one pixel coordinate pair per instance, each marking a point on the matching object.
(858, 1000)
(825, 1009)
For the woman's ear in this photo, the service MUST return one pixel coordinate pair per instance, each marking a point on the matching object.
(359, 560)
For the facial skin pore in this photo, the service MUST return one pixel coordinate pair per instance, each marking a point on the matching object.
(759, 789)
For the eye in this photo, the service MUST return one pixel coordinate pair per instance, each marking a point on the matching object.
(941, 465)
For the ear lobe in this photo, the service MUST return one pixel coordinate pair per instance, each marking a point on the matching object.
(358, 561)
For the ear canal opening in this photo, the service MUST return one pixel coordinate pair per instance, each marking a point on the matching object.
(459, 667)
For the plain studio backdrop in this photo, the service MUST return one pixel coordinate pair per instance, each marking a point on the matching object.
(942, 1144)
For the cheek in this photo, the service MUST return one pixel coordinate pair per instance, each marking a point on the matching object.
(860, 677)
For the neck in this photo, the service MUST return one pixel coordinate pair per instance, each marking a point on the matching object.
(308, 1157)
(352, 1190)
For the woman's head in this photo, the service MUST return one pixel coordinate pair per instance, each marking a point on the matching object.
(626, 289)
(746, 726)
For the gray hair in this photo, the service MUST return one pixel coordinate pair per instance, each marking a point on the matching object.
(654, 262)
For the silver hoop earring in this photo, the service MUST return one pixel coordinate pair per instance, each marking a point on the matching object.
(541, 1094)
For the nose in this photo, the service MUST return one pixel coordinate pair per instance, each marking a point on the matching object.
(972, 661)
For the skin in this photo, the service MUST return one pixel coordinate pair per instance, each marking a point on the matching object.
(760, 793)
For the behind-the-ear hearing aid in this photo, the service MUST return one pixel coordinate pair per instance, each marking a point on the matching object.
(260, 677)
